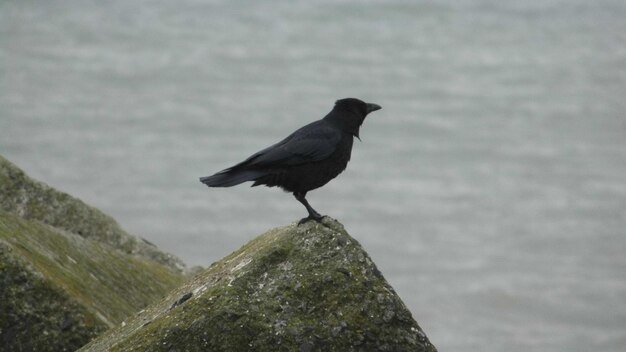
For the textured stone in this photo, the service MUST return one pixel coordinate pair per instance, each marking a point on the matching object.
(58, 288)
(32, 200)
(297, 288)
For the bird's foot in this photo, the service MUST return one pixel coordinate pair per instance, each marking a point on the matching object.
(316, 217)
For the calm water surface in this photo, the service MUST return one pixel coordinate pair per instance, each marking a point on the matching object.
(490, 190)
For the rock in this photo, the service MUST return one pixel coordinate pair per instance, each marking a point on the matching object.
(297, 288)
(32, 200)
(60, 288)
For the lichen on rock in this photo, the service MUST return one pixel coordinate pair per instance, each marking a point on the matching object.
(297, 288)
(35, 316)
(33, 200)
(60, 288)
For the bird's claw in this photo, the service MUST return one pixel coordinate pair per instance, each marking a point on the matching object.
(317, 218)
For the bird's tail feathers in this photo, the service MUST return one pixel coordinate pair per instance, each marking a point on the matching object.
(229, 177)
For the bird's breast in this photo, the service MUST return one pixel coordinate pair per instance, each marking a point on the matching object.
(309, 176)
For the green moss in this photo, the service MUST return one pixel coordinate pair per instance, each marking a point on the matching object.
(32, 200)
(68, 271)
(37, 316)
(59, 290)
(309, 287)
(108, 282)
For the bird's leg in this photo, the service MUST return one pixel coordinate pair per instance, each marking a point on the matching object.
(313, 215)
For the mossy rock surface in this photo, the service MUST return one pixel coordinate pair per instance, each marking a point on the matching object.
(35, 316)
(33, 200)
(297, 288)
(67, 271)
(58, 290)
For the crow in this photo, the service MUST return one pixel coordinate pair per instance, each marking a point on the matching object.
(307, 159)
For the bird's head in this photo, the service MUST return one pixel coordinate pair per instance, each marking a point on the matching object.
(349, 114)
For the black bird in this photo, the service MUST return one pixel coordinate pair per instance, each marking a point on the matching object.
(305, 160)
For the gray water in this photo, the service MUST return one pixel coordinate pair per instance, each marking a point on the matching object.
(490, 190)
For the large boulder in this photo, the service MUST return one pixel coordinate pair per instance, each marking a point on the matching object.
(33, 200)
(297, 288)
(67, 271)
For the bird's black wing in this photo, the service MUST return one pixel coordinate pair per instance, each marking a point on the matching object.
(313, 142)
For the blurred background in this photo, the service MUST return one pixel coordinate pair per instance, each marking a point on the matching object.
(490, 190)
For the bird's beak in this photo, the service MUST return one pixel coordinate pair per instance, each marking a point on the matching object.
(373, 107)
